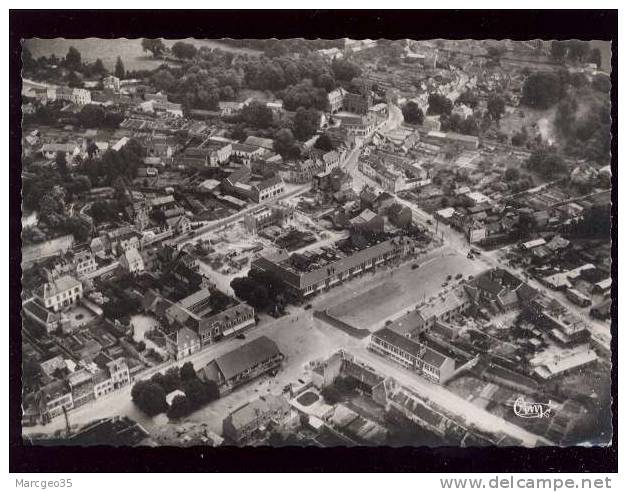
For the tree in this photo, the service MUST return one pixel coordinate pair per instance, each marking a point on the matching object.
(91, 116)
(344, 69)
(547, 162)
(73, 80)
(496, 107)
(512, 174)
(187, 371)
(119, 69)
(559, 50)
(285, 144)
(239, 133)
(602, 83)
(99, 67)
(61, 163)
(149, 397)
(305, 95)
(73, 59)
(324, 143)
(413, 114)
(306, 123)
(578, 50)
(179, 408)
(495, 52)
(541, 90)
(468, 98)
(154, 46)
(439, 104)
(184, 50)
(257, 114)
(595, 57)
(251, 291)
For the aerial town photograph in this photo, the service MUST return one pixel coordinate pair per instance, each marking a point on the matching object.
(316, 242)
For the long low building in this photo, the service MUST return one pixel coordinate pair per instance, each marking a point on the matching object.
(308, 273)
(243, 364)
(412, 355)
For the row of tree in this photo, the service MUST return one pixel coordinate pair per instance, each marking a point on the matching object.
(150, 395)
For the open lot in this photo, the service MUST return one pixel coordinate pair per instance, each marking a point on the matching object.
(392, 292)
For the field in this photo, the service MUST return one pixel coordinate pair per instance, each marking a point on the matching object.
(393, 292)
(108, 50)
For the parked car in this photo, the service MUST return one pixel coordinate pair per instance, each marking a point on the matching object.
(240, 336)
(475, 251)
(444, 284)
(307, 307)
(429, 221)
(414, 266)
(470, 256)
(449, 277)
(458, 276)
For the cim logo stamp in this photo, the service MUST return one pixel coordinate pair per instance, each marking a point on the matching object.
(531, 410)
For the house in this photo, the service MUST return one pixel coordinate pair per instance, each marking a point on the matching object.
(241, 424)
(34, 310)
(119, 372)
(226, 323)
(52, 399)
(268, 189)
(182, 343)
(69, 150)
(228, 108)
(82, 387)
(85, 262)
(264, 143)
(111, 82)
(132, 261)
(243, 364)
(180, 224)
(336, 99)
(60, 293)
(367, 221)
(400, 215)
(247, 152)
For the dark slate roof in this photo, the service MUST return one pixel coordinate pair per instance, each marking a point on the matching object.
(247, 356)
(433, 358)
(399, 341)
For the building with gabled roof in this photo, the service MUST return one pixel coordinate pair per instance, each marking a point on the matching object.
(59, 293)
(241, 424)
(243, 364)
